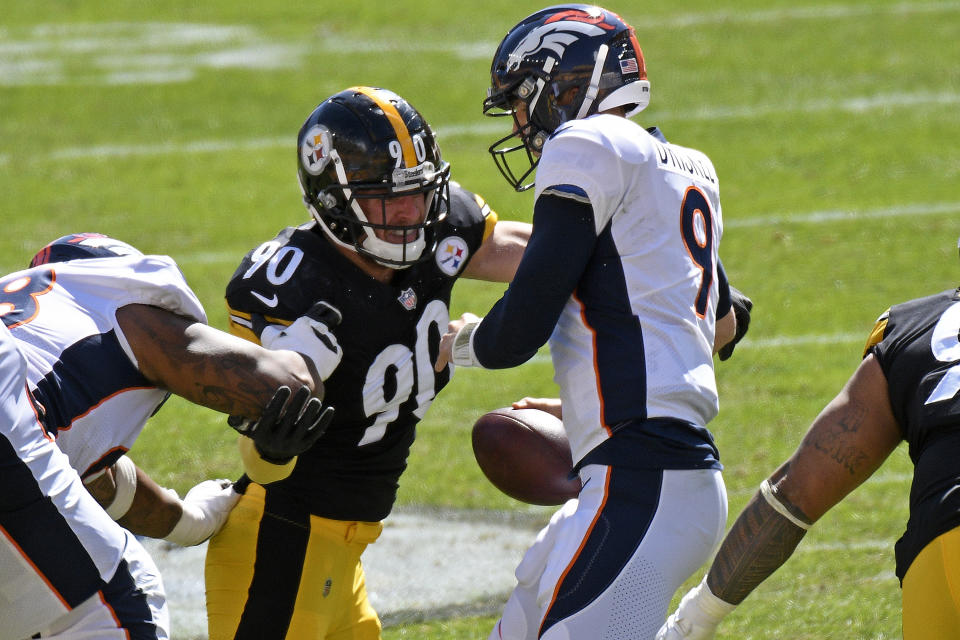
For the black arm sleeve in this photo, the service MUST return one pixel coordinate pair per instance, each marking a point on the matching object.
(723, 299)
(559, 249)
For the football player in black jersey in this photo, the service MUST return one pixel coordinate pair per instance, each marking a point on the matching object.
(906, 388)
(363, 290)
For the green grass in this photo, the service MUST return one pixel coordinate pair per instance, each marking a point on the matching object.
(805, 108)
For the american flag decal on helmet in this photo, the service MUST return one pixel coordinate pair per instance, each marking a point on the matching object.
(629, 65)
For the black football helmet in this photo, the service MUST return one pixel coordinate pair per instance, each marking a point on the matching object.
(573, 46)
(367, 143)
(78, 246)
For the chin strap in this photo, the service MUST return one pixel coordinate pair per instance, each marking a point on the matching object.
(594, 86)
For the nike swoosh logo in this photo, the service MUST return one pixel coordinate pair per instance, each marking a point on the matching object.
(270, 302)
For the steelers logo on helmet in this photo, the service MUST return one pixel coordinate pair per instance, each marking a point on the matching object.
(315, 149)
(452, 253)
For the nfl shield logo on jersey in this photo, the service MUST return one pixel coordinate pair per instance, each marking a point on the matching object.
(452, 252)
(408, 298)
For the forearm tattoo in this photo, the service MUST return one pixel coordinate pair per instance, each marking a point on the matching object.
(759, 542)
(236, 387)
(224, 381)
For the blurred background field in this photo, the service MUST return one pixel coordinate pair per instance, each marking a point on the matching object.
(832, 126)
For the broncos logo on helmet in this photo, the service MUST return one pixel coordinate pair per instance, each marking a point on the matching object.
(562, 63)
(555, 36)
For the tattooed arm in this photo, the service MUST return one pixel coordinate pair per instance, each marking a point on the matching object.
(213, 369)
(844, 446)
(210, 367)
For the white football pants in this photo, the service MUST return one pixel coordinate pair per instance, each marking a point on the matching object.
(607, 564)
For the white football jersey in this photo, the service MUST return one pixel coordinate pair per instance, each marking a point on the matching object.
(59, 549)
(636, 338)
(79, 364)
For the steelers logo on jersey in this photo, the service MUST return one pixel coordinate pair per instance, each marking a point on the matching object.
(452, 252)
(315, 150)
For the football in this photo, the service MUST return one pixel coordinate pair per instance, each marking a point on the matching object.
(525, 454)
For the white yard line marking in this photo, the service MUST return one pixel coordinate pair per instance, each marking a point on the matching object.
(816, 217)
(819, 13)
(100, 152)
(106, 151)
(775, 342)
(340, 44)
(859, 545)
(168, 52)
(811, 339)
(134, 53)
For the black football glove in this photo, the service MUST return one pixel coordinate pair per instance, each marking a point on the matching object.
(282, 432)
(742, 306)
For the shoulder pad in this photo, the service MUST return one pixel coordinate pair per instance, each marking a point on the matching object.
(466, 207)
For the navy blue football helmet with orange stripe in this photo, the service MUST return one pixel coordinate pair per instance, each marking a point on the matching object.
(560, 64)
(78, 246)
(357, 150)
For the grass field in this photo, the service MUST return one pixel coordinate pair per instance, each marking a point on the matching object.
(832, 126)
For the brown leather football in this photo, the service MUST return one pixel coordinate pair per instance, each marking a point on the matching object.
(525, 454)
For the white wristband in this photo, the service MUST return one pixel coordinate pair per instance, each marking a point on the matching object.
(125, 478)
(766, 490)
(462, 353)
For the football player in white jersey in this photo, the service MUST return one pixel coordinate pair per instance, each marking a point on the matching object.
(65, 566)
(622, 275)
(100, 335)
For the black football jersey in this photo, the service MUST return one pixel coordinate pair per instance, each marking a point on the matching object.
(920, 356)
(389, 334)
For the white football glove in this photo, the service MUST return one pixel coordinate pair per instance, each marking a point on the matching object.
(697, 616)
(310, 335)
(205, 511)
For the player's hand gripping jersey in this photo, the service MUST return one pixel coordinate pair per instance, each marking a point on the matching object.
(79, 365)
(389, 336)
